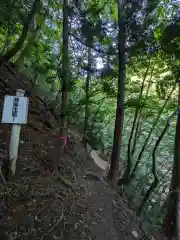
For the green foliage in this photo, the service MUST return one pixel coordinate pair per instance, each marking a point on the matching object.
(152, 55)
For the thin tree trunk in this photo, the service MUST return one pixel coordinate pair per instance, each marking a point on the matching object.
(9, 28)
(65, 70)
(171, 222)
(93, 120)
(18, 45)
(148, 137)
(155, 175)
(115, 157)
(140, 117)
(134, 127)
(36, 75)
(86, 117)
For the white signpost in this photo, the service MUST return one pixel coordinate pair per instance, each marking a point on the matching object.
(15, 111)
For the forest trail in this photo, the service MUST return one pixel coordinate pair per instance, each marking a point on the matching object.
(64, 203)
(98, 160)
(56, 194)
(94, 154)
(110, 71)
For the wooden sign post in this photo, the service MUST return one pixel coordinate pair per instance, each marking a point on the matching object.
(15, 112)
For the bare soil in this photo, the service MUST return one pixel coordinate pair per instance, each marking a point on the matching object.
(51, 198)
(54, 194)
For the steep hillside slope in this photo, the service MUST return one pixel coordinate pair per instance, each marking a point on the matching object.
(54, 194)
(39, 117)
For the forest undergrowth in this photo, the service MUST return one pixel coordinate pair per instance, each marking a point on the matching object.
(52, 196)
(110, 71)
(44, 201)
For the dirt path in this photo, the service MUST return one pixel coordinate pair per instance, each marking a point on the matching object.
(104, 219)
(51, 197)
(94, 154)
(63, 203)
(108, 217)
(98, 160)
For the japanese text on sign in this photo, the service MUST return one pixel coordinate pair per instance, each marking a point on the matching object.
(15, 110)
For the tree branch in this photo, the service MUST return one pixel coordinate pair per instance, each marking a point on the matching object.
(129, 163)
(156, 179)
(17, 46)
(100, 51)
(149, 135)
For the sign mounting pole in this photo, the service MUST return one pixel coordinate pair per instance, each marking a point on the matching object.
(15, 112)
(14, 142)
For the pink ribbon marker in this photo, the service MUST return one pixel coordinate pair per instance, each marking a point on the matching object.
(63, 138)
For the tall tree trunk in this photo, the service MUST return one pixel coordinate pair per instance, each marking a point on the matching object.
(86, 117)
(65, 71)
(18, 45)
(115, 157)
(171, 222)
(26, 51)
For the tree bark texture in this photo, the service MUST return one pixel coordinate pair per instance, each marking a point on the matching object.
(86, 117)
(19, 44)
(171, 222)
(115, 157)
(65, 70)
